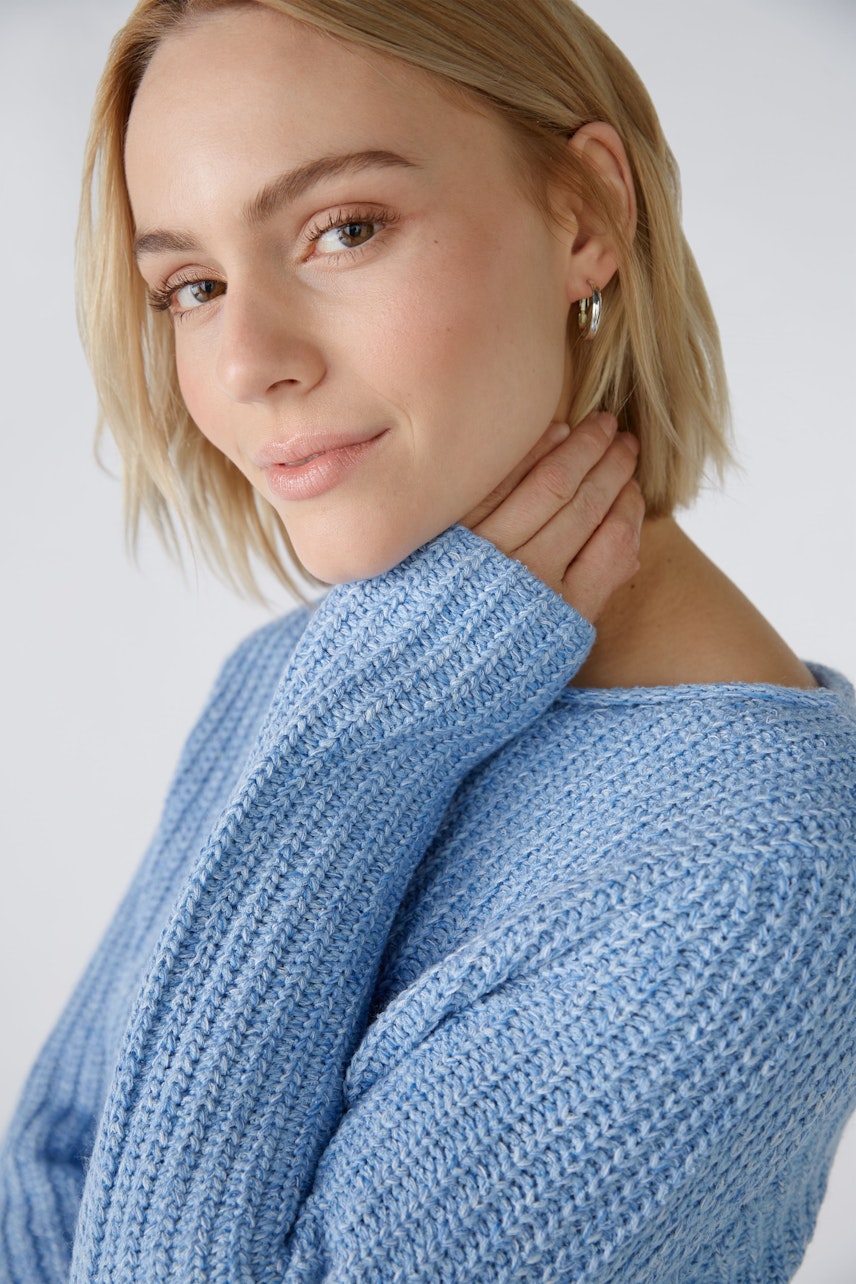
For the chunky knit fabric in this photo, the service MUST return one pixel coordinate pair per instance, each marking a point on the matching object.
(439, 969)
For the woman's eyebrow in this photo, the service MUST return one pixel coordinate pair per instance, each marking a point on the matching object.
(282, 190)
(291, 185)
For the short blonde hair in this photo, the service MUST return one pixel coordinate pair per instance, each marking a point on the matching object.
(547, 69)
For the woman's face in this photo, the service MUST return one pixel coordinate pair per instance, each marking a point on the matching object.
(369, 311)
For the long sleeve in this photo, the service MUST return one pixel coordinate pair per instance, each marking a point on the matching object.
(46, 1149)
(230, 1080)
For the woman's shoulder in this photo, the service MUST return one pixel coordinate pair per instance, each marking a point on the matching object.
(729, 757)
(761, 749)
(645, 800)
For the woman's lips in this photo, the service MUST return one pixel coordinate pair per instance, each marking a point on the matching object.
(317, 470)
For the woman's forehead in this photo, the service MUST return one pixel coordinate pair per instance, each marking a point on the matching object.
(295, 63)
(263, 92)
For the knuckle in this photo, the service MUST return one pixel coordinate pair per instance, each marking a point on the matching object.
(625, 542)
(627, 534)
(492, 500)
(624, 454)
(591, 433)
(633, 504)
(591, 505)
(554, 481)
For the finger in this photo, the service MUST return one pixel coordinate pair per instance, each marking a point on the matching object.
(610, 557)
(552, 437)
(571, 526)
(549, 486)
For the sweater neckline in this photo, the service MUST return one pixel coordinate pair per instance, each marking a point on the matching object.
(832, 685)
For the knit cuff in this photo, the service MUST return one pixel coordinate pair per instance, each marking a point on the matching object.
(457, 641)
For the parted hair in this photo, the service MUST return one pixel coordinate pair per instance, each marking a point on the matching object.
(547, 69)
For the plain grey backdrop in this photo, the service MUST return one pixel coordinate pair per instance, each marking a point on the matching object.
(105, 665)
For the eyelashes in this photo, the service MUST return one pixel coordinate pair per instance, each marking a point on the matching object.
(347, 222)
(359, 226)
(162, 298)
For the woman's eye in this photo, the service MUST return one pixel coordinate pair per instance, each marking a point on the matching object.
(195, 293)
(346, 236)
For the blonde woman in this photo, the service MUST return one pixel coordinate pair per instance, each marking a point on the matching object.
(475, 944)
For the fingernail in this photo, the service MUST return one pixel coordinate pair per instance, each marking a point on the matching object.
(559, 432)
(609, 424)
(631, 441)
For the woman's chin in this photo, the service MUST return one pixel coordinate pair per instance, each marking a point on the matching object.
(345, 557)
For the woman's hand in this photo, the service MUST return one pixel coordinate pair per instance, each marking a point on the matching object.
(571, 512)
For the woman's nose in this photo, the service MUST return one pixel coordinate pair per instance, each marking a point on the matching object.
(265, 344)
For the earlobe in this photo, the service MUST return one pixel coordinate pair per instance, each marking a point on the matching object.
(594, 256)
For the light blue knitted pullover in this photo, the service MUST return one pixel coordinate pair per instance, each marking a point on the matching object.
(438, 969)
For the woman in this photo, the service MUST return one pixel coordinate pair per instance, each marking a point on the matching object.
(440, 967)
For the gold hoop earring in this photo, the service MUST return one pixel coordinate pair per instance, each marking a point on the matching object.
(590, 311)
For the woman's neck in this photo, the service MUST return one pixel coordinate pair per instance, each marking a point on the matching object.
(680, 620)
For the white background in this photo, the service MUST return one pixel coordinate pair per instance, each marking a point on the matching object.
(105, 666)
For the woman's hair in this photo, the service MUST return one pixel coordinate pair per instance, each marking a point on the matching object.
(547, 69)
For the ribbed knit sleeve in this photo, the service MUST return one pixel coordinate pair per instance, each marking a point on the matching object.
(44, 1154)
(230, 1078)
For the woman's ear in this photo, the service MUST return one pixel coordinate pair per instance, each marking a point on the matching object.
(593, 254)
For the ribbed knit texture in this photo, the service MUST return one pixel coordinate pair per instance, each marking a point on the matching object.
(438, 969)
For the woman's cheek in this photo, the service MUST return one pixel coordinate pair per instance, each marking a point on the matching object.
(198, 391)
